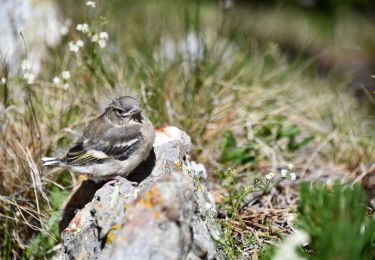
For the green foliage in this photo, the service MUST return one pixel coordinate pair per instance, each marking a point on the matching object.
(337, 222)
(44, 241)
(231, 152)
(272, 133)
(231, 205)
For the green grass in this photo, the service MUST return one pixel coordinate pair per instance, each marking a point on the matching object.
(336, 221)
(244, 103)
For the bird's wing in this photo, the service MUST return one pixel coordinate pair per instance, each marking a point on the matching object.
(117, 144)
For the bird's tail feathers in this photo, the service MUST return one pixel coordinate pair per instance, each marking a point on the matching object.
(51, 161)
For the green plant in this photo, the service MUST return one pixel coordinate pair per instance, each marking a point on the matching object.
(336, 221)
(231, 152)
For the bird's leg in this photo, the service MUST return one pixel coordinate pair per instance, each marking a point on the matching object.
(119, 178)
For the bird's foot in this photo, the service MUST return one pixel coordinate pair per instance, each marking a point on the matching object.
(119, 178)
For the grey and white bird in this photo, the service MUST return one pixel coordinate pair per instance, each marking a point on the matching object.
(112, 145)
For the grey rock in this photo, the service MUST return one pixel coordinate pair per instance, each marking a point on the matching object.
(169, 215)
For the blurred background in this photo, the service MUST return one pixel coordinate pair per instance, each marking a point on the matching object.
(256, 84)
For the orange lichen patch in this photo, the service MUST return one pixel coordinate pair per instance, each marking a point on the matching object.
(151, 198)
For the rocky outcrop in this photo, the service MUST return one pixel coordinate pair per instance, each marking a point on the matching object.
(169, 215)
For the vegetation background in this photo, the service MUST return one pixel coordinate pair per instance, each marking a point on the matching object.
(258, 85)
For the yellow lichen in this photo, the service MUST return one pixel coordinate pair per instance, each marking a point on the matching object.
(157, 214)
(116, 226)
(178, 164)
(110, 237)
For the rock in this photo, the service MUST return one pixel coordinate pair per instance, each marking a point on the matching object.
(40, 25)
(169, 215)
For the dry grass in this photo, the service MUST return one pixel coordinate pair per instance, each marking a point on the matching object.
(231, 84)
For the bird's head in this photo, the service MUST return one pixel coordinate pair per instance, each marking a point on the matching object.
(124, 110)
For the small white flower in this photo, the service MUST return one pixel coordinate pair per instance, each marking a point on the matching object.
(66, 86)
(65, 74)
(79, 27)
(3, 80)
(25, 66)
(80, 43)
(56, 80)
(95, 38)
(270, 175)
(84, 27)
(73, 47)
(102, 43)
(103, 35)
(29, 77)
(293, 176)
(283, 173)
(290, 166)
(91, 4)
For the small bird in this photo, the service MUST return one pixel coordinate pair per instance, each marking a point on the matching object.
(112, 145)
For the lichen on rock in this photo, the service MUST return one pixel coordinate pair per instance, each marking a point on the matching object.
(169, 215)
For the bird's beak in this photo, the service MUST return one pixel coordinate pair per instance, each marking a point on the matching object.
(135, 112)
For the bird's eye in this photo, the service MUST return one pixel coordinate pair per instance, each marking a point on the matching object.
(118, 111)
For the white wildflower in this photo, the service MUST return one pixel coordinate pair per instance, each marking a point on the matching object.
(66, 86)
(95, 38)
(82, 27)
(56, 80)
(79, 27)
(283, 173)
(80, 43)
(66, 74)
(103, 35)
(290, 166)
(73, 47)
(270, 175)
(25, 66)
(91, 4)
(3, 80)
(29, 77)
(102, 43)
(293, 176)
